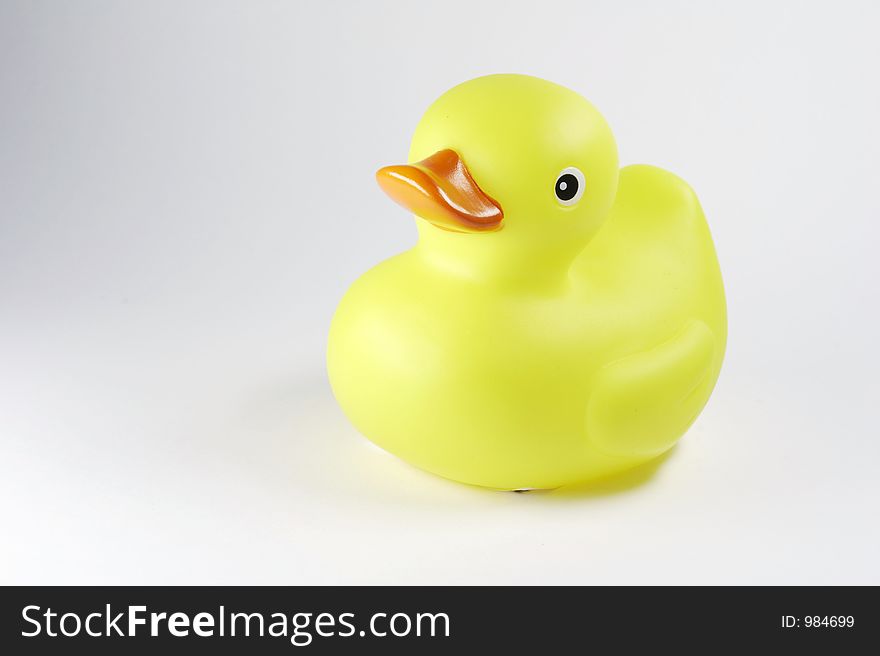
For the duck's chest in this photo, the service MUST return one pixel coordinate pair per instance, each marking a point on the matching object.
(465, 333)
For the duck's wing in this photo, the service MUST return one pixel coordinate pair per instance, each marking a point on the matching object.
(641, 404)
(653, 270)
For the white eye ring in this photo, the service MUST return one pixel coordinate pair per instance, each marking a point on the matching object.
(568, 178)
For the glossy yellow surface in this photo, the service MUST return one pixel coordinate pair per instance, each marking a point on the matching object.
(575, 342)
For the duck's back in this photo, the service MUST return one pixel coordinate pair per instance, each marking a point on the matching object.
(652, 266)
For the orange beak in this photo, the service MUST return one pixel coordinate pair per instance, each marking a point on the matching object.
(441, 190)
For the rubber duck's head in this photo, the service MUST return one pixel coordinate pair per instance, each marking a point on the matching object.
(507, 171)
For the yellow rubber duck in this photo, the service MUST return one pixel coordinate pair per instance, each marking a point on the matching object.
(559, 319)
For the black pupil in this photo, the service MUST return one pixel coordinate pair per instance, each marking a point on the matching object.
(566, 187)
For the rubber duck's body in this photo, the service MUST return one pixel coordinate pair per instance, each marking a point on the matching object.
(559, 319)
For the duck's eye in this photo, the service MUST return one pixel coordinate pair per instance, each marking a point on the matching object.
(569, 186)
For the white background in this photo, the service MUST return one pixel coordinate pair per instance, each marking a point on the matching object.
(186, 190)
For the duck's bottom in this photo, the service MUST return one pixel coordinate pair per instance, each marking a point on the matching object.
(538, 440)
(618, 481)
(540, 480)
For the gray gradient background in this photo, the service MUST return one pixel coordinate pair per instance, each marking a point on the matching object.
(186, 190)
